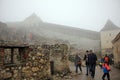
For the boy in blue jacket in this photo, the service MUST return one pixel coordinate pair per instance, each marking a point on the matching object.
(106, 69)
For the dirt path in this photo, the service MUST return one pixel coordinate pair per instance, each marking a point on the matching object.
(114, 73)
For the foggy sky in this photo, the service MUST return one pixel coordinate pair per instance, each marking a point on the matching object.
(86, 14)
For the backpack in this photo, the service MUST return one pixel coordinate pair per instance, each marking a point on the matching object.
(107, 67)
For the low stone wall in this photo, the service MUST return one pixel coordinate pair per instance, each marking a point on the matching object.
(60, 58)
(36, 66)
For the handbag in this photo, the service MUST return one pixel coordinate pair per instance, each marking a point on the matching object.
(79, 62)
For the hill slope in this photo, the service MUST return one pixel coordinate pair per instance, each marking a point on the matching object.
(80, 38)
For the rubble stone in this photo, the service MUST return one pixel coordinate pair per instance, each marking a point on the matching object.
(37, 64)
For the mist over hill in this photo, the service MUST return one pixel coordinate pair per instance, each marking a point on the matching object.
(48, 32)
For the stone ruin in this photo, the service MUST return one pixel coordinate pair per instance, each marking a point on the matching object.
(59, 54)
(36, 62)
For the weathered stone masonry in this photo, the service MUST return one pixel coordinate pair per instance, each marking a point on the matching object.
(35, 67)
(33, 62)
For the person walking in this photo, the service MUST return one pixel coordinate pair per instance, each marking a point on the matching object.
(86, 62)
(78, 63)
(107, 59)
(106, 69)
(92, 58)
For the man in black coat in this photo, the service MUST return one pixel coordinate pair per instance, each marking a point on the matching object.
(86, 61)
(92, 58)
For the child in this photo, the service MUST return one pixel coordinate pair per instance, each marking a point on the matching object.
(106, 69)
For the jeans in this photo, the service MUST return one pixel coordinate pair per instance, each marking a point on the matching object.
(108, 76)
(78, 65)
(92, 70)
(87, 69)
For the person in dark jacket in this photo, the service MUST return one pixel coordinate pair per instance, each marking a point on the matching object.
(78, 63)
(86, 62)
(92, 58)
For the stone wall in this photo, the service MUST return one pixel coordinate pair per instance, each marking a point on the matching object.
(116, 48)
(59, 54)
(117, 53)
(37, 65)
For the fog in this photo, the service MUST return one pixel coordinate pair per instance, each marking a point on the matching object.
(85, 14)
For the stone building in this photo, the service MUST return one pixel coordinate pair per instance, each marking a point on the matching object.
(107, 34)
(116, 49)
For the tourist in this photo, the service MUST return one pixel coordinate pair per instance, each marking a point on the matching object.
(78, 63)
(106, 69)
(107, 59)
(92, 58)
(86, 62)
